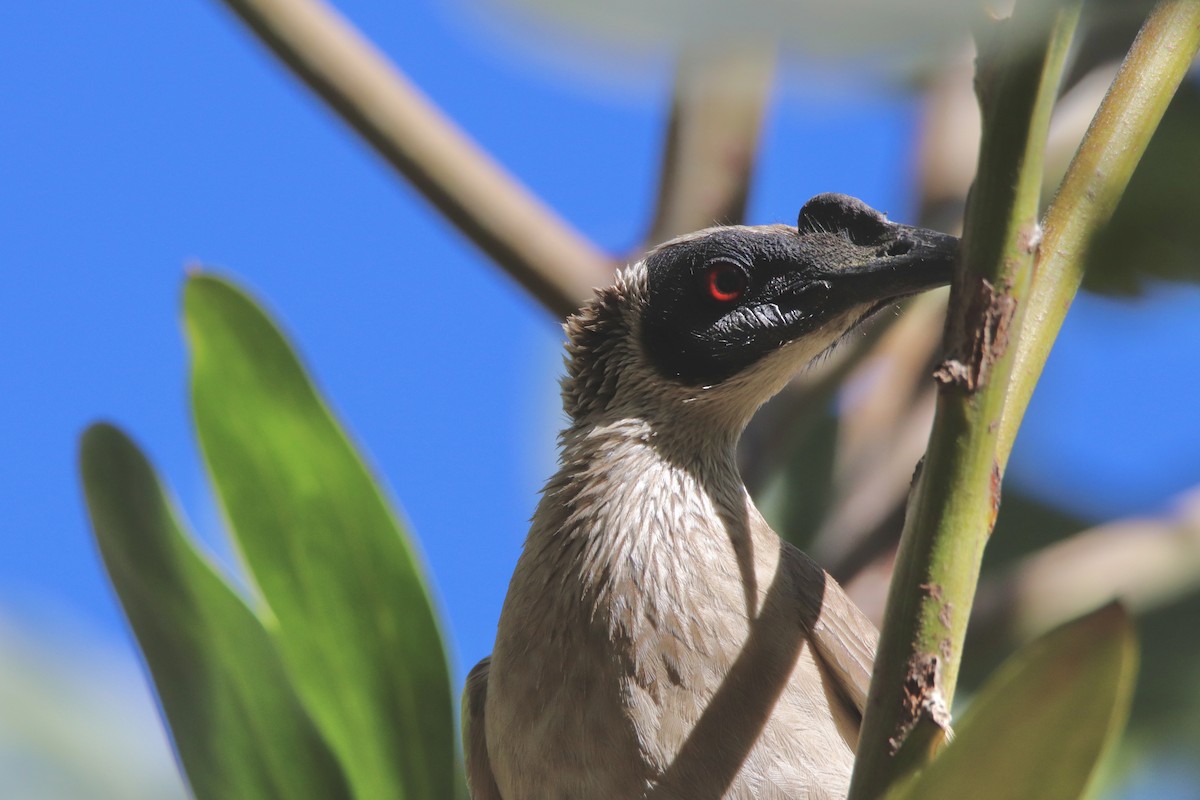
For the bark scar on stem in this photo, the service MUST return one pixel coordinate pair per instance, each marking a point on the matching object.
(922, 698)
(988, 317)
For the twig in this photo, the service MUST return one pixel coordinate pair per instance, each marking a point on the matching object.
(1118, 136)
(1144, 563)
(788, 419)
(948, 151)
(712, 138)
(887, 408)
(957, 495)
(867, 517)
(528, 240)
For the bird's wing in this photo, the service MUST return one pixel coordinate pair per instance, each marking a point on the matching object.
(846, 640)
(841, 635)
(480, 780)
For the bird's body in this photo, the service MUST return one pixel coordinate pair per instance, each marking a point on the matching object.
(680, 597)
(658, 638)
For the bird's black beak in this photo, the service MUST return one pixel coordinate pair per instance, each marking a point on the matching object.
(872, 261)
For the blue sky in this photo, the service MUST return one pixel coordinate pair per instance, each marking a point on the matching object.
(139, 137)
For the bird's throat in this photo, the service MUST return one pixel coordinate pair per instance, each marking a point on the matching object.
(636, 505)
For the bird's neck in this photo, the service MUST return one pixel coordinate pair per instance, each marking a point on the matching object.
(614, 465)
(640, 502)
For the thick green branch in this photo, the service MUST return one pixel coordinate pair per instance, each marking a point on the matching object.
(1097, 177)
(551, 260)
(957, 494)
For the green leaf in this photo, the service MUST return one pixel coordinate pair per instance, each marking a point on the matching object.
(238, 726)
(356, 625)
(1041, 725)
(796, 498)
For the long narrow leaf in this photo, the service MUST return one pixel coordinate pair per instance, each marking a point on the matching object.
(1040, 727)
(355, 622)
(238, 727)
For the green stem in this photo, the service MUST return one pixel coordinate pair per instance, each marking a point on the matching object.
(1157, 63)
(957, 494)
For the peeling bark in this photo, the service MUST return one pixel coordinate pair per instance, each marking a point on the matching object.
(984, 344)
(923, 698)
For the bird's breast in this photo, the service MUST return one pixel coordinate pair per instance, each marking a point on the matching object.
(650, 645)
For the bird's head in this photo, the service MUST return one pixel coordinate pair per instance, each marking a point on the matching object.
(717, 321)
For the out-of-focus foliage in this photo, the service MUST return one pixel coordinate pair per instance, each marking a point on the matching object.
(870, 32)
(796, 498)
(1166, 716)
(336, 684)
(352, 616)
(55, 695)
(238, 726)
(1154, 234)
(1041, 724)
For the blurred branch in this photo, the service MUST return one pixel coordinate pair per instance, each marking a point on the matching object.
(785, 422)
(866, 518)
(556, 264)
(886, 416)
(887, 411)
(956, 497)
(1144, 563)
(712, 139)
(1160, 57)
(881, 393)
(949, 143)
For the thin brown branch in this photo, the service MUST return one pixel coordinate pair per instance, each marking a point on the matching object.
(786, 421)
(883, 431)
(1144, 563)
(712, 139)
(547, 256)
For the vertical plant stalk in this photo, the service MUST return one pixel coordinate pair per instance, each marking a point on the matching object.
(719, 102)
(555, 263)
(1131, 111)
(957, 493)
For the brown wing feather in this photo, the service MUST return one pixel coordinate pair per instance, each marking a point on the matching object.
(846, 640)
(480, 780)
(841, 635)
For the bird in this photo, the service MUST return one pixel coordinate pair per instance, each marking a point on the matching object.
(658, 638)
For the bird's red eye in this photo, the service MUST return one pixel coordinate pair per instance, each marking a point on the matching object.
(725, 282)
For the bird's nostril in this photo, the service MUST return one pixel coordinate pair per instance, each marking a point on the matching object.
(898, 248)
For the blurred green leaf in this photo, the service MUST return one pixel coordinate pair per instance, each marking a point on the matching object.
(1166, 712)
(356, 624)
(1153, 234)
(1041, 725)
(796, 498)
(238, 726)
(1025, 526)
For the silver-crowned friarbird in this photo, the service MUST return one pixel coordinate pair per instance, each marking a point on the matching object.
(658, 638)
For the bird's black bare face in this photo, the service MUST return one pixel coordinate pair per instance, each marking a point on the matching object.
(720, 301)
